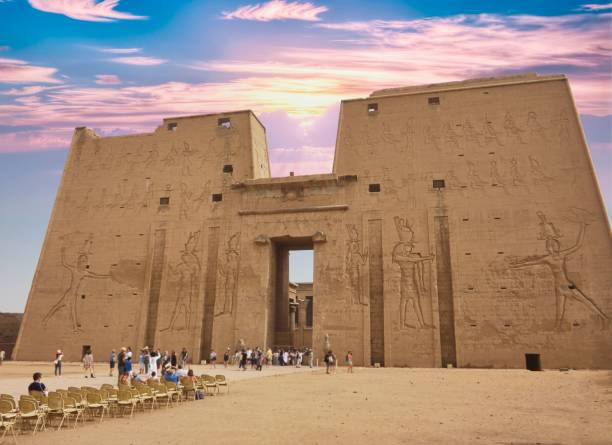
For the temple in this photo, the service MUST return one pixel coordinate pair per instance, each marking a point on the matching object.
(462, 225)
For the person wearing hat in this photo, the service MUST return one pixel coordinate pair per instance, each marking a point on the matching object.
(57, 364)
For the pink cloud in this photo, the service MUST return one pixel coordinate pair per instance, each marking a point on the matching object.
(28, 91)
(19, 71)
(138, 60)
(120, 50)
(277, 10)
(47, 139)
(107, 79)
(86, 10)
(596, 7)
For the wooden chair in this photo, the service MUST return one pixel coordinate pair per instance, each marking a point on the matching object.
(30, 413)
(222, 381)
(7, 420)
(125, 400)
(95, 404)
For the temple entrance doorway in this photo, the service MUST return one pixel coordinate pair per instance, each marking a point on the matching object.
(293, 292)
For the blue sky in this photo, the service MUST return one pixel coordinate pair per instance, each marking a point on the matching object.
(120, 66)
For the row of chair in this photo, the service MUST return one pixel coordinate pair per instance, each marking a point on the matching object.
(38, 410)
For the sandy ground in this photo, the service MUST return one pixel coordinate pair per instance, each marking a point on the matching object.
(374, 406)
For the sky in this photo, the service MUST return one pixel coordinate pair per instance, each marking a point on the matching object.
(120, 66)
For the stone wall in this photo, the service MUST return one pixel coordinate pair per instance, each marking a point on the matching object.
(9, 328)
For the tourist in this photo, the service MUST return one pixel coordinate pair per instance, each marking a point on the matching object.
(298, 359)
(349, 362)
(199, 395)
(121, 362)
(173, 359)
(181, 372)
(268, 357)
(112, 360)
(226, 357)
(260, 359)
(286, 358)
(329, 362)
(127, 368)
(213, 359)
(154, 377)
(88, 364)
(184, 357)
(275, 356)
(2, 356)
(37, 385)
(170, 376)
(147, 360)
(129, 352)
(334, 362)
(57, 364)
(238, 357)
(243, 360)
(141, 362)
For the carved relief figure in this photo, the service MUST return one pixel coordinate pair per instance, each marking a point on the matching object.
(356, 257)
(512, 130)
(187, 278)
(412, 275)
(473, 176)
(489, 132)
(555, 260)
(187, 154)
(450, 136)
(79, 272)
(409, 135)
(495, 176)
(536, 130)
(228, 272)
(517, 179)
(471, 135)
(431, 138)
(152, 157)
(539, 177)
(185, 205)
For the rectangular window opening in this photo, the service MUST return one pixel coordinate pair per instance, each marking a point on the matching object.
(224, 122)
(164, 201)
(228, 168)
(372, 108)
(438, 183)
(374, 188)
(433, 100)
(217, 197)
(172, 126)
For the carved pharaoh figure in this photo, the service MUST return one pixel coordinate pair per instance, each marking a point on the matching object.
(512, 130)
(355, 259)
(228, 272)
(79, 272)
(412, 275)
(555, 260)
(187, 277)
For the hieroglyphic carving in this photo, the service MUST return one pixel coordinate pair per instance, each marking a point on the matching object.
(517, 178)
(512, 130)
(356, 257)
(152, 157)
(473, 176)
(470, 133)
(555, 260)
(409, 135)
(489, 132)
(412, 275)
(79, 272)
(535, 128)
(186, 275)
(228, 274)
(187, 154)
(539, 177)
(431, 138)
(496, 178)
(450, 136)
(185, 202)
(203, 197)
(563, 132)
